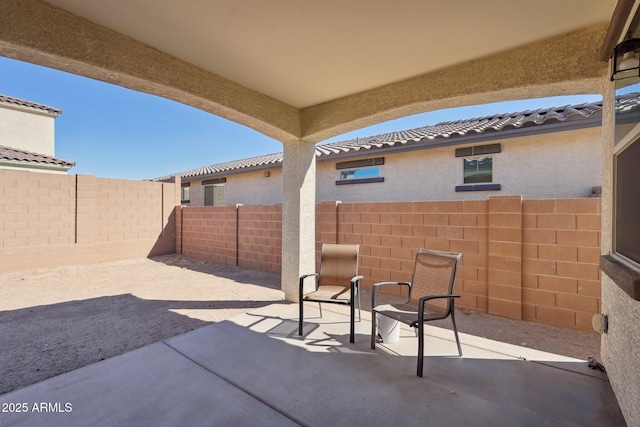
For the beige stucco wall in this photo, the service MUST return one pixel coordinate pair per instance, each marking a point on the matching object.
(621, 345)
(554, 165)
(620, 348)
(250, 188)
(26, 129)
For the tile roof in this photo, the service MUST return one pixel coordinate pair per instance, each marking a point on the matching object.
(4, 99)
(431, 135)
(268, 159)
(15, 154)
(444, 130)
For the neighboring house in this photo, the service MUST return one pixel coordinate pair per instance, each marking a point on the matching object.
(545, 153)
(27, 137)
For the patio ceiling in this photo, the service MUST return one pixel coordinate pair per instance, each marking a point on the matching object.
(313, 69)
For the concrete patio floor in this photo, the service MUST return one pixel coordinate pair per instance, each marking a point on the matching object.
(254, 370)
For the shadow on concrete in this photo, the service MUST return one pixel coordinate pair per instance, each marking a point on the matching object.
(350, 384)
(228, 374)
(43, 341)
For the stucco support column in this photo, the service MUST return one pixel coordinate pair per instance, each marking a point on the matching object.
(298, 215)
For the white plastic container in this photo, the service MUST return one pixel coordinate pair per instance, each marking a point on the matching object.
(388, 329)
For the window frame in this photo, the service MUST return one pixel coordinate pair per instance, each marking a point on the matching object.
(213, 183)
(477, 160)
(362, 164)
(630, 139)
(622, 270)
(187, 186)
(477, 152)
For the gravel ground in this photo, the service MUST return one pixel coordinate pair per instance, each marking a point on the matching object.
(55, 320)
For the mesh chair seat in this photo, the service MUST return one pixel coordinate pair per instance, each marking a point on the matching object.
(407, 313)
(330, 294)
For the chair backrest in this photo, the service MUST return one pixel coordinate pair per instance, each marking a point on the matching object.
(435, 274)
(338, 264)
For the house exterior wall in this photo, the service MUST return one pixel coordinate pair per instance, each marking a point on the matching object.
(27, 130)
(554, 165)
(621, 344)
(244, 188)
(50, 220)
(564, 164)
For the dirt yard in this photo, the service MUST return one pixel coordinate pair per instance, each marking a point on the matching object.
(56, 320)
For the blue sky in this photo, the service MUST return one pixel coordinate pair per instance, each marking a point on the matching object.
(114, 132)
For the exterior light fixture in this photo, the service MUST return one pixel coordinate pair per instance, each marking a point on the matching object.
(626, 60)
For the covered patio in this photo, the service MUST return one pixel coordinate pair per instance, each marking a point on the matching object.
(302, 72)
(174, 340)
(254, 370)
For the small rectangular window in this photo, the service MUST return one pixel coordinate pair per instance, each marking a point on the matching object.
(478, 170)
(360, 173)
(214, 195)
(184, 193)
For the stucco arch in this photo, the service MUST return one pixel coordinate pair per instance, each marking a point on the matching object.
(39, 33)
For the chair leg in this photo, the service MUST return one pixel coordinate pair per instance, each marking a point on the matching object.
(320, 308)
(301, 316)
(352, 326)
(359, 305)
(455, 332)
(373, 329)
(420, 348)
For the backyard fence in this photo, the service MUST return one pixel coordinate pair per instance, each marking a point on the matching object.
(532, 259)
(50, 220)
(525, 259)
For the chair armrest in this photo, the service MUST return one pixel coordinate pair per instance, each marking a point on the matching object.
(374, 290)
(428, 297)
(301, 283)
(423, 300)
(308, 275)
(356, 278)
(381, 284)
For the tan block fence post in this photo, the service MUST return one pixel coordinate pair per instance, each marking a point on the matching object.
(505, 256)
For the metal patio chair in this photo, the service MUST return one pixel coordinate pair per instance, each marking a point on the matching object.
(337, 283)
(430, 297)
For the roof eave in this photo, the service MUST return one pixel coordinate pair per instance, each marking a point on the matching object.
(487, 136)
(18, 164)
(270, 166)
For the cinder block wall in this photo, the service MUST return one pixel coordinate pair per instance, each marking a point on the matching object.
(560, 261)
(49, 220)
(390, 234)
(260, 237)
(245, 236)
(208, 233)
(523, 259)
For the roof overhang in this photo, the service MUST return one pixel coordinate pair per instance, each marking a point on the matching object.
(33, 166)
(312, 70)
